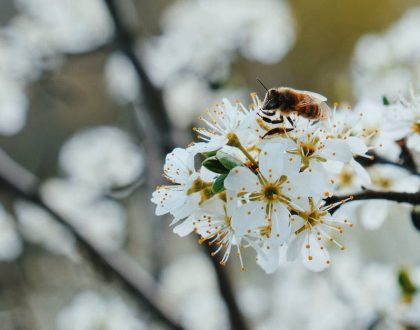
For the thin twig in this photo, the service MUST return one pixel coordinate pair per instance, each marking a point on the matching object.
(400, 197)
(20, 182)
(157, 111)
(376, 159)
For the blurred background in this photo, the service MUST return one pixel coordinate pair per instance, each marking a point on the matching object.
(94, 92)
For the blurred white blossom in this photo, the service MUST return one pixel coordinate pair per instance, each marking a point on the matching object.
(387, 63)
(192, 40)
(10, 242)
(13, 107)
(102, 157)
(90, 311)
(102, 220)
(73, 26)
(121, 79)
(38, 227)
(189, 282)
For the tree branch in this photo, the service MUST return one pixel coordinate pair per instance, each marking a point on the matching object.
(381, 160)
(20, 182)
(152, 96)
(156, 109)
(400, 197)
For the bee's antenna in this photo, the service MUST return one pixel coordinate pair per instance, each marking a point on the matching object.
(258, 79)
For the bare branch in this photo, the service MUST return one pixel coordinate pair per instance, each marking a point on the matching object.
(18, 181)
(381, 160)
(400, 197)
(158, 114)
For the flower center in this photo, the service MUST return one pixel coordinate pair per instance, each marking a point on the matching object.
(312, 218)
(308, 149)
(271, 192)
(384, 183)
(346, 177)
(416, 127)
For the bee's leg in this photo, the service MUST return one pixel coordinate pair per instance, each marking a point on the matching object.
(290, 120)
(272, 121)
(263, 125)
(269, 113)
(277, 130)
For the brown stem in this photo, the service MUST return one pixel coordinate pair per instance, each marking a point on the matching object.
(20, 182)
(400, 197)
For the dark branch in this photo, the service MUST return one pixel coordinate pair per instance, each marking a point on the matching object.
(158, 115)
(406, 157)
(400, 197)
(18, 181)
(407, 165)
(237, 321)
(152, 96)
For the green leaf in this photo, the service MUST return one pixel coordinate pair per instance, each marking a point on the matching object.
(214, 165)
(227, 160)
(406, 284)
(385, 100)
(218, 185)
(209, 154)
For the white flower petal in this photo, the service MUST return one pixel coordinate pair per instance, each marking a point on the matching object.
(413, 142)
(190, 205)
(294, 247)
(336, 150)
(361, 172)
(269, 258)
(271, 161)
(314, 258)
(357, 145)
(168, 199)
(241, 179)
(185, 227)
(373, 213)
(179, 165)
(280, 227)
(248, 218)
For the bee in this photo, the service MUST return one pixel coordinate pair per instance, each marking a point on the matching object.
(286, 101)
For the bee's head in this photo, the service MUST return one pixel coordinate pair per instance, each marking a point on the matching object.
(273, 99)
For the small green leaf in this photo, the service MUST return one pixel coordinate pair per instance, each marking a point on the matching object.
(214, 165)
(227, 160)
(218, 185)
(385, 100)
(209, 154)
(406, 284)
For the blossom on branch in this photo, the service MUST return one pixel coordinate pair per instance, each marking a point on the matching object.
(262, 183)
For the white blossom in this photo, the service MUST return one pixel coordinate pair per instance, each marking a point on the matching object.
(101, 220)
(38, 227)
(102, 157)
(10, 242)
(89, 310)
(121, 79)
(387, 63)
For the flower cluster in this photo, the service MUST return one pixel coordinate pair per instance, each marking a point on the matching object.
(262, 184)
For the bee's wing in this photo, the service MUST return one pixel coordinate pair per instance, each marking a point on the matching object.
(309, 99)
(318, 97)
(325, 110)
